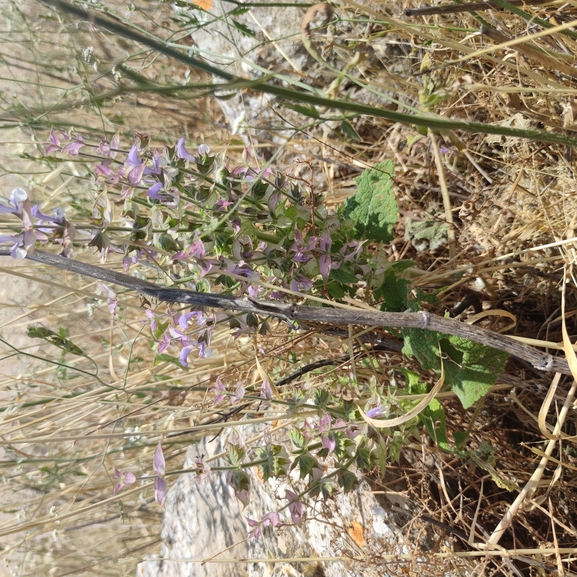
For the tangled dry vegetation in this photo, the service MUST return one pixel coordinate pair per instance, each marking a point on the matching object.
(510, 205)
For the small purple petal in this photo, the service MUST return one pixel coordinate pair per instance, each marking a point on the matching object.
(156, 168)
(325, 241)
(238, 394)
(184, 318)
(266, 390)
(74, 147)
(133, 158)
(295, 507)
(135, 174)
(204, 352)
(184, 356)
(328, 442)
(160, 490)
(105, 290)
(158, 463)
(41, 216)
(377, 412)
(197, 249)
(165, 341)
(272, 518)
(8, 209)
(129, 478)
(325, 423)
(182, 152)
(219, 389)
(114, 145)
(18, 195)
(325, 265)
(153, 191)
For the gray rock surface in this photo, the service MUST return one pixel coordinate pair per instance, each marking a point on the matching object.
(267, 41)
(205, 520)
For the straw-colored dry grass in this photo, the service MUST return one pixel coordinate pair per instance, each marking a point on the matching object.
(510, 204)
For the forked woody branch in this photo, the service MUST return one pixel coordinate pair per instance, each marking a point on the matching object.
(302, 313)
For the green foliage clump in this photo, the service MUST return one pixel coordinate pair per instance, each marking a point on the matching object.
(249, 232)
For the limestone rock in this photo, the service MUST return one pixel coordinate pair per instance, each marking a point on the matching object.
(205, 520)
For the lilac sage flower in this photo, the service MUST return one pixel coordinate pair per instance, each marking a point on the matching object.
(219, 390)
(182, 152)
(73, 148)
(327, 437)
(295, 507)
(377, 412)
(325, 261)
(125, 478)
(159, 465)
(238, 393)
(268, 519)
(19, 206)
(54, 143)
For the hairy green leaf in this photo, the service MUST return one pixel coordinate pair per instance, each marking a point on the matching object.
(343, 275)
(374, 206)
(395, 289)
(470, 368)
